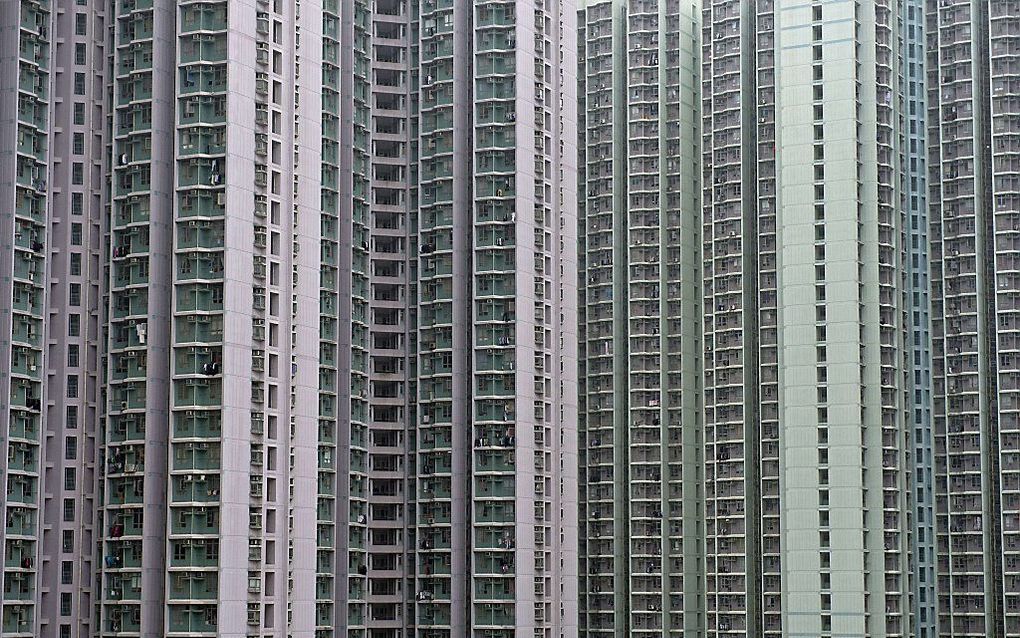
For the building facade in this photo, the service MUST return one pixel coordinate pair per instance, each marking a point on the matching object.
(974, 178)
(457, 263)
(807, 513)
(431, 318)
(52, 123)
(291, 318)
(212, 346)
(797, 514)
(640, 423)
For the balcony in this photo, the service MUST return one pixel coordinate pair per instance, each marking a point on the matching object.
(203, 17)
(203, 48)
(192, 619)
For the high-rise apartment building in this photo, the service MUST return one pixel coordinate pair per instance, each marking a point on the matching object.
(52, 127)
(640, 407)
(796, 511)
(457, 263)
(291, 318)
(209, 445)
(807, 506)
(973, 102)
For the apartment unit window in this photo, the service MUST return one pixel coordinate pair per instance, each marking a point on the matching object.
(72, 386)
(70, 448)
(72, 355)
(80, 24)
(70, 479)
(74, 295)
(65, 603)
(79, 84)
(66, 572)
(77, 173)
(76, 264)
(79, 53)
(74, 325)
(78, 143)
(68, 510)
(71, 417)
(77, 204)
(76, 234)
(67, 541)
(79, 113)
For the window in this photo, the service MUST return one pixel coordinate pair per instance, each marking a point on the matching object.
(72, 386)
(74, 295)
(67, 541)
(68, 510)
(79, 84)
(78, 143)
(76, 234)
(76, 264)
(79, 113)
(80, 24)
(72, 355)
(71, 418)
(79, 53)
(65, 603)
(77, 204)
(77, 173)
(66, 572)
(74, 325)
(70, 479)
(70, 448)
